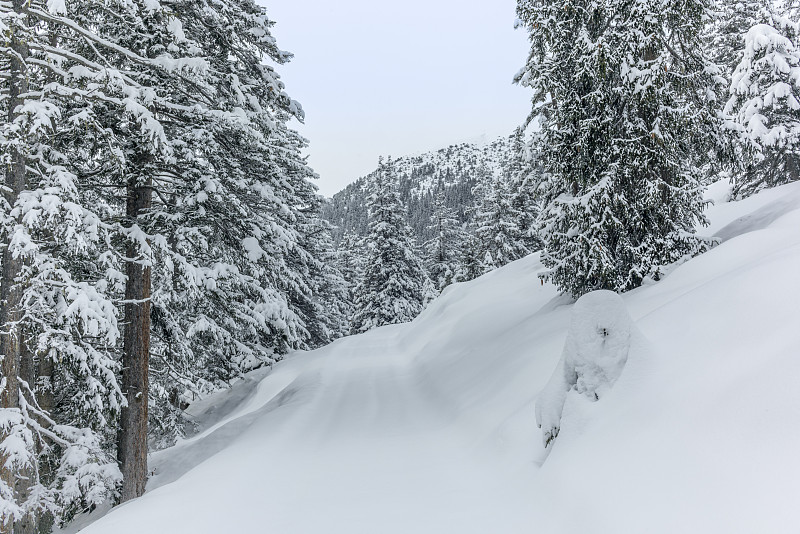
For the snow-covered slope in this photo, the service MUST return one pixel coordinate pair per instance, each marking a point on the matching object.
(429, 427)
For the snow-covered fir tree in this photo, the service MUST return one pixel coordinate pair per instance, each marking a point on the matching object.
(332, 292)
(132, 209)
(326, 309)
(441, 252)
(351, 259)
(521, 176)
(472, 257)
(394, 284)
(626, 97)
(244, 242)
(732, 19)
(764, 101)
(729, 25)
(60, 276)
(497, 225)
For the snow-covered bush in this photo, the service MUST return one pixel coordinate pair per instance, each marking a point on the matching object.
(595, 353)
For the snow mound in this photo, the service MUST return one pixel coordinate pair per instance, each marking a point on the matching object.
(595, 353)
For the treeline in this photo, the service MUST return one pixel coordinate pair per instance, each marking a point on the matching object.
(160, 236)
(417, 225)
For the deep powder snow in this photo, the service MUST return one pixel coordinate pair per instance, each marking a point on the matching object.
(683, 416)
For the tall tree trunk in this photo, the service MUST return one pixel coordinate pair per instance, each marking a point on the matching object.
(11, 339)
(46, 399)
(132, 439)
(43, 388)
(27, 374)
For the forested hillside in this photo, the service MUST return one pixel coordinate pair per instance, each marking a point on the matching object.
(468, 209)
(452, 172)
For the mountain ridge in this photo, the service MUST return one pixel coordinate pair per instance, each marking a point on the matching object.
(456, 169)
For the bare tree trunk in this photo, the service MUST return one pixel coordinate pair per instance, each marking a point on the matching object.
(132, 438)
(11, 340)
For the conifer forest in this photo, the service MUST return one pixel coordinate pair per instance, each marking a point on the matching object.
(174, 287)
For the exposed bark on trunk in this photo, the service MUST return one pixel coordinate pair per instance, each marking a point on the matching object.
(132, 439)
(9, 347)
(45, 398)
(11, 338)
(9, 350)
(27, 374)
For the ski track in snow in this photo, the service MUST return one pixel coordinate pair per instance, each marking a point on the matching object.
(429, 427)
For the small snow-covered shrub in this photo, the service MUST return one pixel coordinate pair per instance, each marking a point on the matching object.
(594, 356)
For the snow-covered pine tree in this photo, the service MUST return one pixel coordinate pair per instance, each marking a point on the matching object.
(263, 167)
(472, 263)
(133, 152)
(59, 280)
(351, 259)
(520, 173)
(324, 308)
(234, 287)
(145, 41)
(625, 96)
(764, 101)
(441, 251)
(220, 237)
(199, 192)
(394, 280)
(731, 22)
(472, 253)
(497, 224)
(332, 295)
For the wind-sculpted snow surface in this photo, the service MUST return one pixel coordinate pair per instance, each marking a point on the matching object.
(595, 353)
(429, 427)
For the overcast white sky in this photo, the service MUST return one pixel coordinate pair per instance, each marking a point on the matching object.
(396, 78)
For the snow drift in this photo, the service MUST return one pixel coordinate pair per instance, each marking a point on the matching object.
(683, 417)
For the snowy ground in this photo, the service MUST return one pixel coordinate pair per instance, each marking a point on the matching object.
(429, 427)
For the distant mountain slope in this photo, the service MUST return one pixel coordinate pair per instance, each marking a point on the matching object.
(457, 169)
